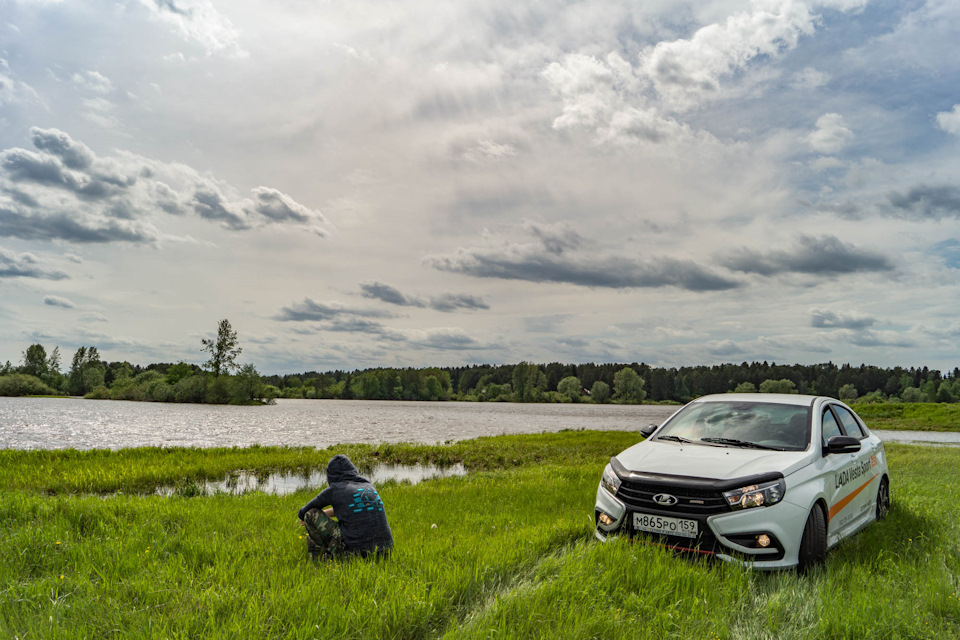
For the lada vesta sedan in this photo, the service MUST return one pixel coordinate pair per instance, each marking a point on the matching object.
(765, 479)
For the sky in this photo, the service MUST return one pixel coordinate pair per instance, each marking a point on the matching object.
(357, 184)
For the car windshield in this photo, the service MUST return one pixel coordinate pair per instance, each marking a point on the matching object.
(759, 425)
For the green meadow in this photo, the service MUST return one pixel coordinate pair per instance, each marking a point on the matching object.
(504, 552)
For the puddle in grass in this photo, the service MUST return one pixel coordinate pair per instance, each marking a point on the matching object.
(281, 483)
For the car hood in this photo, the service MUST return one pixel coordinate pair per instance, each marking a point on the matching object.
(700, 461)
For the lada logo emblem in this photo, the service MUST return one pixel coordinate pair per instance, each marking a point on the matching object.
(665, 499)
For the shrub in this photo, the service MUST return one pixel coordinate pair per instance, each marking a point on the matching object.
(21, 384)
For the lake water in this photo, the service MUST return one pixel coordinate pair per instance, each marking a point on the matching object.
(60, 423)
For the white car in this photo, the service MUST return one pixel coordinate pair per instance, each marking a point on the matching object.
(768, 480)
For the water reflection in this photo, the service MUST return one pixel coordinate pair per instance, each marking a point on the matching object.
(279, 483)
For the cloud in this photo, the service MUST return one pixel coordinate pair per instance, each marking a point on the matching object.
(556, 257)
(446, 302)
(809, 79)
(831, 135)
(57, 301)
(92, 81)
(25, 265)
(949, 121)
(63, 190)
(927, 201)
(687, 72)
(821, 256)
(311, 311)
(448, 339)
(826, 319)
(199, 21)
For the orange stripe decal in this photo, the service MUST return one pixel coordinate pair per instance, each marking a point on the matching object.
(837, 508)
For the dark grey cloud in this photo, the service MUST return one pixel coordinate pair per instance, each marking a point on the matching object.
(73, 154)
(76, 228)
(825, 319)
(559, 254)
(312, 311)
(62, 190)
(451, 302)
(25, 265)
(927, 201)
(211, 205)
(610, 272)
(867, 338)
(446, 302)
(822, 255)
(57, 301)
(449, 340)
(389, 294)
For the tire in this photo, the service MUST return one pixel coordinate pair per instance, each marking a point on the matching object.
(883, 499)
(813, 545)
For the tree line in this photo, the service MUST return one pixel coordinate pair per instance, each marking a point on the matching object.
(219, 381)
(597, 382)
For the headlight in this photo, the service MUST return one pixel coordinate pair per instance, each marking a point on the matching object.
(756, 495)
(610, 480)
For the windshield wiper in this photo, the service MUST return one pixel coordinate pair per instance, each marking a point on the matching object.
(733, 442)
(675, 439)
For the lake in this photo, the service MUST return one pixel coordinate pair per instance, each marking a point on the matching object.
(60, 423)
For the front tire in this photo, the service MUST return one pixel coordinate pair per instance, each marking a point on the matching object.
(883, 499)
(813, 545)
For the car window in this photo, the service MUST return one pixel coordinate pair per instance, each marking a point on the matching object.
(782, 426)
(830, 426)
(850, 425)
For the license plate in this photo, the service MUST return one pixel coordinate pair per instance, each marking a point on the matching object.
(665, 526)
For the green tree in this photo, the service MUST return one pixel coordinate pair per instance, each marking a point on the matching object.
(570, 387)
(745, 387)
(34, 361)
(912, 394)
(223, 350)
(628, 386)
(600, 392)
(847, 392)
(86, 372)
(528, 382)
(778, 386)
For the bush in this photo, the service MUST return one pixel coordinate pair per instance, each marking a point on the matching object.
(190, 389)
(21, 384)
(100, 392)
(778, 386)
(745, 387)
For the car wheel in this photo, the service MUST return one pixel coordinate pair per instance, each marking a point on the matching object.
(813, 545)
(883, 499)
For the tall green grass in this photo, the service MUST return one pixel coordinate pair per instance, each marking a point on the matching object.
(512, 555)
(915, 416)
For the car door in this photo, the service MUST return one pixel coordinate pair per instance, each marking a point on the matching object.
(829, 469)
(851, 498)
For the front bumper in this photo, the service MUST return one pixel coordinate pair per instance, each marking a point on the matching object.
(731, 536)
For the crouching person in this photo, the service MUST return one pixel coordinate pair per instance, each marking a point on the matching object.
(361, 523)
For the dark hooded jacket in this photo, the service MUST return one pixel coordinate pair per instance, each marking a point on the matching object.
(356, 505)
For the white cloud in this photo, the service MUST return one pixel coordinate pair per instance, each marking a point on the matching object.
(199, 20)
(831, 134)
(57, 301)
(949, 121)
(809, 79)
(92, 81)
(687, 72)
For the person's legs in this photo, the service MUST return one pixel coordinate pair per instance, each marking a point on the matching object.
(323, 535)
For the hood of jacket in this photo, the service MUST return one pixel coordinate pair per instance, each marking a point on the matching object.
(340, 469)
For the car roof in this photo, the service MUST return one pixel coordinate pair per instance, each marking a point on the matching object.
(762, 398)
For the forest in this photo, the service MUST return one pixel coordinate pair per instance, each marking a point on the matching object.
(220, 380)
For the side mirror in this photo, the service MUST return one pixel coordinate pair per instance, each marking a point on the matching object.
(648, 430)
(842, 444)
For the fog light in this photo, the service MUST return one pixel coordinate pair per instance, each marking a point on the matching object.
(605, 519)
(763, 540)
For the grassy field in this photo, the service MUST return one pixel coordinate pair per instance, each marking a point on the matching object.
(511, 555)
(919, 416)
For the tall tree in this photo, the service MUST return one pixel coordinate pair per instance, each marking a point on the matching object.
(628, 386)
(223, 350)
